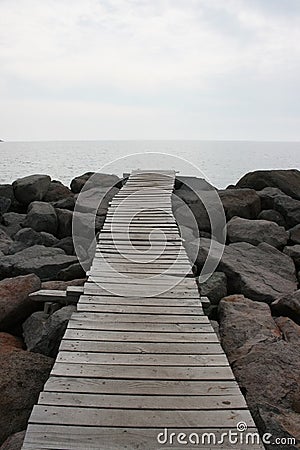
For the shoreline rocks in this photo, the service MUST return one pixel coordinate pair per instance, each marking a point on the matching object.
(259, 322)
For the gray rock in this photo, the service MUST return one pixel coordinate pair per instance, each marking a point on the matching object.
(95, 200)
(66, 244)
(261, 272)
(240, 202)
(43, 333)
(4, 205)
(215, 288)
(41, 216)
(14, 442)
(294, 252)
(186, 233)
(288, 305)
(272, 216)
(256, 231)
(64, 219)
(255, 347)
(31, 188)
(65, 203)
(45, 262)
(13, 222)
(295, 234)
(268, 196)
(15, 305)
(5, 241)
(56, 192)
(287, 181)
(289, 208)
(99, 179)
(28, 237)
(73, 272)
(6, 190)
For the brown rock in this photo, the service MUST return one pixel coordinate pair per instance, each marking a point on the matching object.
(288, 305)
(15, 305)
(240, 202)
(289, 329)
(57, 191)
(266, 366)
(22, 376)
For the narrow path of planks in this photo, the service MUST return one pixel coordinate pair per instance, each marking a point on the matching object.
(139, 355)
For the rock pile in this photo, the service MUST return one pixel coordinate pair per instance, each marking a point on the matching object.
(254, 293)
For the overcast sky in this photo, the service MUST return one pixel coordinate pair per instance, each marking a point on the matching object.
(150, 69)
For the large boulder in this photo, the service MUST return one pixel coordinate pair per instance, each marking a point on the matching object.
(6, 190)
(41, 216)
(22, 377)
(295, 234)
(98, 179)
(4, 205)
(65, 203)
(31, 188)
(261, 272)
(45, 262)
(215, 288)
(266, 366)
(15, 305)
(294, 252)
(288, 305)
(256, 231)
(13, 222)
(272, 216)
(240, 202)
(28, 237)
(73, 272)
(287, 181)
(268, 195)
(14, 442)
(66, 244)
(5, 241)
(64, 219)
(8, 342)
(56, 192)
(95, 200)
(43, 332)
(289, 209)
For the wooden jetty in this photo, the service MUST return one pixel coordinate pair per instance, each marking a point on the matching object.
(139, 362)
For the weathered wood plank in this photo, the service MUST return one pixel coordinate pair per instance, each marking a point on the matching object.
(145, 359)
(134, 418)
(223, 373)
(139, 336)
(128, 309)
(144, 387)
(141, 347)
(167, 402)
(60, 437)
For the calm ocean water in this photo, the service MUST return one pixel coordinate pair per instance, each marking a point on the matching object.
(222, 162)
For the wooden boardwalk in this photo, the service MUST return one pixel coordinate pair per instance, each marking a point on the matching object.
(139, 355)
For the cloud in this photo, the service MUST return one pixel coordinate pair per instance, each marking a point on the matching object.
(172, 54)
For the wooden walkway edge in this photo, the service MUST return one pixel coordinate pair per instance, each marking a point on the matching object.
(139, 359)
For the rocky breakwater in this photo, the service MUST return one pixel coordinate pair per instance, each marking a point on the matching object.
(254, 292)
(37, 252)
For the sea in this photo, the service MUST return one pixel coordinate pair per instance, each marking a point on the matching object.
(220, 162)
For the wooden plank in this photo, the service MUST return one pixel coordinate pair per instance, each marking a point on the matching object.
(138, 336)
(61, 437)
(141, 347)
(128, 309)
(143, 387)
(166, 318)
(143, 372)
(134, 418)
(147, 359)
(142, 402)
(106, 300)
